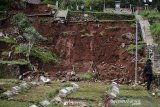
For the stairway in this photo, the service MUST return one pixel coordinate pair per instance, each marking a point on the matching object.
(151, 45)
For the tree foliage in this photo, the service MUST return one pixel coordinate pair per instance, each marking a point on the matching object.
(21, 21)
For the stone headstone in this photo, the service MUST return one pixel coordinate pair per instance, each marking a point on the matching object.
(69, 89)
(115, 90)
(63, 92)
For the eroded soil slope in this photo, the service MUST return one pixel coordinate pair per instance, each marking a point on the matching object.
(89, 46)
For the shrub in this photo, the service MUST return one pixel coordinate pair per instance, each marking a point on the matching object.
(87, 76)
(22, 48)
(132, 48)
(8, 40)
(21, 21)
(44, 55)
(105, 16)
(155, 30)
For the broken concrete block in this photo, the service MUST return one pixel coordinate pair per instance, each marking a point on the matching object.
(44, 79)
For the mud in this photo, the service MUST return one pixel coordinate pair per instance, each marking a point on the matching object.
(90, 46)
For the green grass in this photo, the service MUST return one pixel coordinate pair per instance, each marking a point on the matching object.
(4, 103)
(40, 93)
(55, 105)
(7, 84)
(89, 91)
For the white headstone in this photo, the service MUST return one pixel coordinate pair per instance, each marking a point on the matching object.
(63, 92)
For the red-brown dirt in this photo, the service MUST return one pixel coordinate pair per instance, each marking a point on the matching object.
(84, 43)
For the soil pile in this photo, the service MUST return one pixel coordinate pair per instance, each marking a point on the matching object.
(90, 46)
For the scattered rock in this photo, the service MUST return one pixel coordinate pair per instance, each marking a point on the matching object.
(44, 79)
(7, 94)
(1, 34)
(16, 89)
(45, 103)
(128, 36)
(57, 99)
(26, 85)
(123, 45)
(63, 80)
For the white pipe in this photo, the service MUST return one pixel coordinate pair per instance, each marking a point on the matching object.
(136, 53)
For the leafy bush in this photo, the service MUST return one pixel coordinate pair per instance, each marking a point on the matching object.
(132, 48)
(32, 35)
(21, 20)
(22, 48)
(8, 40)
(155, 30)
(44, 55)
(151, 15)
(105, 16)
(87, 76)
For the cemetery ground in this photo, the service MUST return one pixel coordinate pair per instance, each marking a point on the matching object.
(101, 42)
(92, 93)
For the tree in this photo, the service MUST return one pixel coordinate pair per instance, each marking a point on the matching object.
(29, 33)
(32, 36)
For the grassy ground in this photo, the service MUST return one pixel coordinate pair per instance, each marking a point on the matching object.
(40, 93)
(4, 103)
(93, 93)
(89, 91)
(6, 84)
